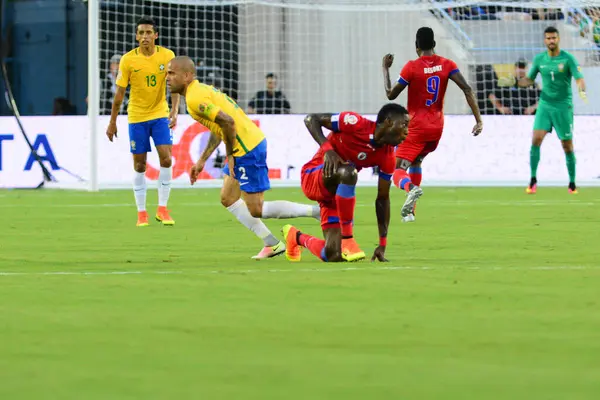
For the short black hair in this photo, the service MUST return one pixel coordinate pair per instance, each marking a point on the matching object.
(145, 20)
(521, 63)
(551, 29)
(271, 75)
(390, 110)
(425, 38)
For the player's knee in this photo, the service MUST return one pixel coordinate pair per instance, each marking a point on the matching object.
(166, 162)
(227, 201)
(255, 209)
(347, 174)
(139, 166)
(567, 146)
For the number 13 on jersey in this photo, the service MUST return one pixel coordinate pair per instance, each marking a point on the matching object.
(433, 87)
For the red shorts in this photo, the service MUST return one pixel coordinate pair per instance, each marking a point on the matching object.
(415, 147)
(314, 189)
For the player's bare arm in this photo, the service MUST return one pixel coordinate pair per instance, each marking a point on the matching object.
(213, 142)
(461, 82)
(111, 131)
(227, 125)
(175, 98)
(391, 92)
(382, 210)
(315, 124)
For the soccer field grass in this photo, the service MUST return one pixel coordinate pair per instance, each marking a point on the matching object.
(490, 294)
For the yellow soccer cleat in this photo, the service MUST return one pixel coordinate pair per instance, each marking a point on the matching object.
(142, 219)
(351, 252)
(573, 188)
(162, 216)
(293, 251)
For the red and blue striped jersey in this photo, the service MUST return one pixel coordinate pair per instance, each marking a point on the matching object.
(352, 140)
(427, 79)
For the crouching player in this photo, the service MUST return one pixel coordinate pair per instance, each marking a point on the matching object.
(330, 179)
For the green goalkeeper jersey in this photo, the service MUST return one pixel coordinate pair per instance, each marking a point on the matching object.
(557, 73)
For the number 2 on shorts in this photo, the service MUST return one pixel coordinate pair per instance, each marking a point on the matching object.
(243, 172)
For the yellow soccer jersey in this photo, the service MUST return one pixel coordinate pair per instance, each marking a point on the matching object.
(147, 77)
(204, 103)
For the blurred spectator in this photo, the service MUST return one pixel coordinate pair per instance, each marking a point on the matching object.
(210, 75)
(473, 13)
(109, 88)
(485, 78)
(62, 106)
(585, 30)
(505, 12)
(269, 101)
(510, 99)
(547, 14)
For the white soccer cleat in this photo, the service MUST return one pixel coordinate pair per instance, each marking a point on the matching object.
(409, 218)
(411, 200)
(269, 252)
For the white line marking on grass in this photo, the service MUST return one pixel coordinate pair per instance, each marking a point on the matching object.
(304, 270)
(458, 203)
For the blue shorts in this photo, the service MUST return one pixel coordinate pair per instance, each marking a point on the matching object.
(141, 132)
(251, 170)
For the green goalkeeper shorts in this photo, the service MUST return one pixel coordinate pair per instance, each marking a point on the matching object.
(559, 118)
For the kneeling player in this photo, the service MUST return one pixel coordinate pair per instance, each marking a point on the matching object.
(246, 175)
(330, 179)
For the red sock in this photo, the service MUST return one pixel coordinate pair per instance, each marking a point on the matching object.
(314, 245)
(345, 201)
(401, 179)
(415, 175)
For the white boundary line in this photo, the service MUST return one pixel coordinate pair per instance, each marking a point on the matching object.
(458, 203)
(303, 270)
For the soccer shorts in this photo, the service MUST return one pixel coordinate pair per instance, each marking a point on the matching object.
(559, 118)
(314, 189)
(251, 170)
(414, 148)
(141, 132)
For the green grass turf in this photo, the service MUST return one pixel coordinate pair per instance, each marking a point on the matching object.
(491, 294)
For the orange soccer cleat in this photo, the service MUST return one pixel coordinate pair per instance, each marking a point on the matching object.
(532, 188)
(293, 251)
(350, 250)
(142, 218)
(162, 216)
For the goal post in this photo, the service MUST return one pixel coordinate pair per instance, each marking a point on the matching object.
(93, 91)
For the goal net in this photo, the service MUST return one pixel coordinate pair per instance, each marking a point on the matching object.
(325, 55)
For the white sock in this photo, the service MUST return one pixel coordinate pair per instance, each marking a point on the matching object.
(164, 185)
(288, 209)
(139, 190)
(241, 212)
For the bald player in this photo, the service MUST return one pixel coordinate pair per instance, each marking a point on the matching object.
(246, 174)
